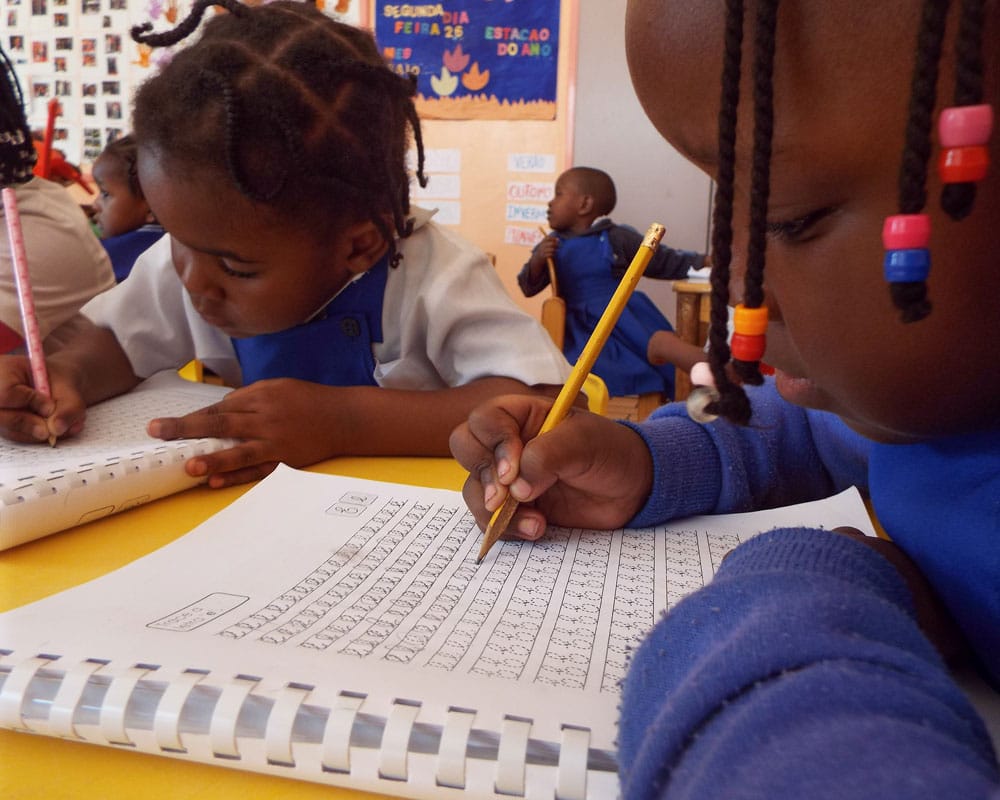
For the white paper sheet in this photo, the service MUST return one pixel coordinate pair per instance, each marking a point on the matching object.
(338, 585)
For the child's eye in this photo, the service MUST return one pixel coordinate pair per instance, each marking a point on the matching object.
(234, 273)
(798, 229)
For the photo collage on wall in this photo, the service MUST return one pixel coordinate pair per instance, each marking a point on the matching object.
(80, 53)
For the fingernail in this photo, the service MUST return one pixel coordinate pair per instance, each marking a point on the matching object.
(155, 428)
(521, 489)
(528, 528)
(196, 467)
(40, 432)
(46, 408)
(58, 426)
(503, 467)
(489, 492)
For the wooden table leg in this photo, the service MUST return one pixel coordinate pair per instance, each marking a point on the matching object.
(687, 331)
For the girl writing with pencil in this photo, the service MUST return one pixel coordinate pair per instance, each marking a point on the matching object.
(856, 210)
(272, 150)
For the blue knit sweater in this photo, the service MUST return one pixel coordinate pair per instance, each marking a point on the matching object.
(939, 501)
(800, 671)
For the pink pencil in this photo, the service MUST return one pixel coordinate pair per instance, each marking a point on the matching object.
(29, 320)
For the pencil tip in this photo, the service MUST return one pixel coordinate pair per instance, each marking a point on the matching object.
(479, 561)
(52, 440)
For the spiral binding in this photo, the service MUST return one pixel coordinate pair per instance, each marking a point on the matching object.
(190, 715)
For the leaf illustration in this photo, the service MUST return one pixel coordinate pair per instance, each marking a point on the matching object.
(455, 60)
(474, 80)
(446, 84)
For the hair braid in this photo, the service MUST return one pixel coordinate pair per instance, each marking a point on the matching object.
(722, 218)
(760, 171)
(957, 199)
(910, 297)
(184, 28)
(17, 151)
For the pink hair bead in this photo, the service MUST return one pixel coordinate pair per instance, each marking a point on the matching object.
(965, 126)
(701, 374)
(906, 232)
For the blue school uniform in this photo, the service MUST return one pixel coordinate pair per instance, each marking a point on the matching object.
(333, 348)
(123, 250)
(589, 267)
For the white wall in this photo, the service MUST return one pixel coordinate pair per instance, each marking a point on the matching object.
(611, 132)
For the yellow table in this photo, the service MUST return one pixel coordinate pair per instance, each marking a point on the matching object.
(34, 767)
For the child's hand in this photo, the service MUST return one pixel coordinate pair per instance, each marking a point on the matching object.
(932, 615)
(278, 421)
(27, 415)
(587, 472)
(546, 249)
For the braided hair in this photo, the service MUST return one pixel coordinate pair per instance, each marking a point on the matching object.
(956, 198)
(299, 111)
(17, 151)
(732, 401)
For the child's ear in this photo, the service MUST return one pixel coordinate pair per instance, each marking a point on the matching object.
(586, 204)
(365, 246)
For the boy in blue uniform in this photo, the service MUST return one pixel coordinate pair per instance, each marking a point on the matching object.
(591, 253)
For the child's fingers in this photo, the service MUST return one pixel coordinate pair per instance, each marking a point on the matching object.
(210, 422)
(23, 426)
(221, 480)
(240, 464)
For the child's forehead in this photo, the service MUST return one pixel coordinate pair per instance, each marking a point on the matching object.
(833, 59)
(111, 165)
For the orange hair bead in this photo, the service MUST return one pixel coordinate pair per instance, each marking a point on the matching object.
(750, 321)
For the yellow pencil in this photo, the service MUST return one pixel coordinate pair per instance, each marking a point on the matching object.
(502, 516)
(552, 268)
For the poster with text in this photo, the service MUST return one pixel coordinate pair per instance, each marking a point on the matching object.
(475, 59)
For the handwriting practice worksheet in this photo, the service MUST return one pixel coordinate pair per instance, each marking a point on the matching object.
(351, 591)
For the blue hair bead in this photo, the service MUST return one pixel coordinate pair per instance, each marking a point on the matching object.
(907, 266)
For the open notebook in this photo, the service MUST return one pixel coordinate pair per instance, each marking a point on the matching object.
(337, 630)
(111, 466)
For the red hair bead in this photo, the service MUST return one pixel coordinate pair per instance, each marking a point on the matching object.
(906, 231)
(747, 348)
(965, 126)
(963, 164)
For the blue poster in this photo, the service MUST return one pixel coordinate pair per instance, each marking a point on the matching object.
(475, 59)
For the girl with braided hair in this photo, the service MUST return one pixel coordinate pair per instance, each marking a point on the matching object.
(273, 152)
(68, 265)
(851, 144)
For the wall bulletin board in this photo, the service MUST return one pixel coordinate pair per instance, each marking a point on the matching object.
(495, 83)
(475, 59)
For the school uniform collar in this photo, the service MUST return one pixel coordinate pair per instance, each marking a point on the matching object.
(599, 226)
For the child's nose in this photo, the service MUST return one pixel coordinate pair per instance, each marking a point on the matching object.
(197, 274)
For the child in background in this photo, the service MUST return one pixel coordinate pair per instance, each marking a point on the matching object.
(666, 347)
(591, 254)
(801, 671)
(273, 151)
(67, 264)
(127, 226)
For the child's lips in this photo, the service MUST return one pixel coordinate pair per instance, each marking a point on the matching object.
(800, 391)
